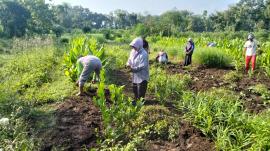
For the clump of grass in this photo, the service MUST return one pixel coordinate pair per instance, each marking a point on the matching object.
(221, 116)
(232, 76)
(213, 58)
(158, 121)
(167, 88)
(261, 90)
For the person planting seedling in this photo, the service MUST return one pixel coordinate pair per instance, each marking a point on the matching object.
(162, 57)
(139, 66)
(90, 64)
(189, 49)
(250, 52)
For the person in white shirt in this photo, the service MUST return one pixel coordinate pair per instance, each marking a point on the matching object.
(139, 66)
(162, 57)
(249, 52)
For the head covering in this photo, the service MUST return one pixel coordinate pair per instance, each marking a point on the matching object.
(189, 39)
(250, 36)
(137, 43)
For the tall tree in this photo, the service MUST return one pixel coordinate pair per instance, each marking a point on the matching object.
(42, 18)
(14, 18)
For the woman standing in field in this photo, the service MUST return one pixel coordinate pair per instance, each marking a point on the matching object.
(250, 52)
(189, 51)
(139, 66)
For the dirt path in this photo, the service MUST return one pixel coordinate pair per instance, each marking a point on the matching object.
(77, 124)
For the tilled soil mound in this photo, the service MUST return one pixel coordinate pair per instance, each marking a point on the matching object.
(78, 122)
(190, 139)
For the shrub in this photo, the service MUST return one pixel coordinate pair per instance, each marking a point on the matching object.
(213, 58)
(64, 40)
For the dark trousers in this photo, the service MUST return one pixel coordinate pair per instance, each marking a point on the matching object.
(139, 89)
(188, 60)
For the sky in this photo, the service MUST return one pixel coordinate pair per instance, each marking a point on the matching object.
(153, 7)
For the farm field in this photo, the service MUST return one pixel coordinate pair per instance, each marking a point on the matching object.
(73, 75)
(206, 106)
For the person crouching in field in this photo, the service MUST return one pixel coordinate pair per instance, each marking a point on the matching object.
(189, 51)
(90, 64)
(250, 52)
(139, 66)
(162, 57)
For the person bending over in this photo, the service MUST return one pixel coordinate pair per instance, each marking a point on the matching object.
(90, 64)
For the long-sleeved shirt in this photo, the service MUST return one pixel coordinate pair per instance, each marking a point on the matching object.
(90, 64)
(138, 61)
(190, 47)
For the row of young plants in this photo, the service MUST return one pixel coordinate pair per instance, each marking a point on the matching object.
(124, 125)
(218, 113)
(129, 127)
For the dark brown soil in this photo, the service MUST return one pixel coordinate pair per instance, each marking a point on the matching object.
(78, 122)
(190, 139)
(122, 78)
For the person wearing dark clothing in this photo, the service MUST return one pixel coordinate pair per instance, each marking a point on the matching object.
(189, 51)
(145, 45)
(139, 89)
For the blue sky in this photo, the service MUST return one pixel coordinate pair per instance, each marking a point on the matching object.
(154, 7)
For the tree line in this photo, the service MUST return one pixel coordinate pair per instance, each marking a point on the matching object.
(29, 17)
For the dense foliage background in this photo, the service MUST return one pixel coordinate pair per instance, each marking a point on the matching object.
(27, 17)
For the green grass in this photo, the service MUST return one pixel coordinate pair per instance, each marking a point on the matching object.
(36, 76)
(232, 77)
(221, 116)
(212, 57)
(165, 87)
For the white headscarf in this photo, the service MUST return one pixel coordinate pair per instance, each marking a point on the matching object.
(137, 43)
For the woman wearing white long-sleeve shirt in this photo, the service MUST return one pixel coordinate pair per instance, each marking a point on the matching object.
(139, 66)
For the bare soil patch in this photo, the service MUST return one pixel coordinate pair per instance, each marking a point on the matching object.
(78, 122)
